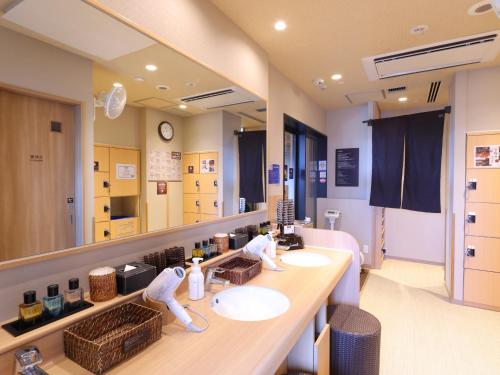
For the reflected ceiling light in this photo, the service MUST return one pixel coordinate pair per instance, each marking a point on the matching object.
(182, 106)
(420, 29)
(336, 76)
(117, 84)
(280, 25)
(403, 99)
(139, 79)
(151, 67)
(162, 87)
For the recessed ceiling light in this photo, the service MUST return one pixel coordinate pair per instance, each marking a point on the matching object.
(151, 67)
(139, 79)
(191, 84)
(403, 99)
(336, 76)
(480, 8)
(162, 87)
(280, 25)
(117, 84)
(420, 29)
(182, 106)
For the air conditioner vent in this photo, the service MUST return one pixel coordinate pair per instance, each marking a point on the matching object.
(261, 109)
(220, 98)
(207, 95)
(396, 89)
(452, 53)
(433, 91)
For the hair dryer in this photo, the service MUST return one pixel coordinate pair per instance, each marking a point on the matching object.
(163, 287)
(257, 247)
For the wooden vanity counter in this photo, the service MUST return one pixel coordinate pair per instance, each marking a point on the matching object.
(230, 346)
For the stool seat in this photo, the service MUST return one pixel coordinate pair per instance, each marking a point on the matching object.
(354, 341)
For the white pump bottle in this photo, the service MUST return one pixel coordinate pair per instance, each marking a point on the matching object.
(196, 281)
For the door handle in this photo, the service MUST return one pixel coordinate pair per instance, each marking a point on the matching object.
(470, 251)
(471, 218)
(105, 209)
(106, 184)
(106, 233)
(472, 185)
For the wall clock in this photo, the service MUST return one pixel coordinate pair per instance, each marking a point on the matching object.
(166, 131)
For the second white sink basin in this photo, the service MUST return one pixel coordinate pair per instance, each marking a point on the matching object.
(250, 303)
(305, 259)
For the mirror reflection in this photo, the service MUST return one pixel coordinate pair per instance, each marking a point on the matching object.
(105, 133)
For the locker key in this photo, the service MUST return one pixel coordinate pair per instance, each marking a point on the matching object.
(105, 208)
(470, 251)
(471, 217)
(472, 185)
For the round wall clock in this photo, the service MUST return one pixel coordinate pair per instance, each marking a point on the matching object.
(166, 131)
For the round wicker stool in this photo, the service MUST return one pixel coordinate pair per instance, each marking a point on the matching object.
(354, 341)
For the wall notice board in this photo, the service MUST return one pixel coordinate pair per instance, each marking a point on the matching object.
(347, 167)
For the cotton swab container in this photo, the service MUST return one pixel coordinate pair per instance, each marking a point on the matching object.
(102, 282)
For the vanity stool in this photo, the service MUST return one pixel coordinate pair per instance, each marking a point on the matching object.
(354, 341)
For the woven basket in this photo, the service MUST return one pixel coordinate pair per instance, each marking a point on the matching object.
(102, 288)
(104, 340)
(239, 270)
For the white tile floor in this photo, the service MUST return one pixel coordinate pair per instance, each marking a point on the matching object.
(423, 333)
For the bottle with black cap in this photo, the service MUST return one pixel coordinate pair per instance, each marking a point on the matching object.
(31, 309)
(73, 297)
(53, 302)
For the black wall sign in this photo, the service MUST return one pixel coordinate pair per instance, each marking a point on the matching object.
(347, 167)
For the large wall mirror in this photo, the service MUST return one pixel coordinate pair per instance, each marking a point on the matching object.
(106, 133)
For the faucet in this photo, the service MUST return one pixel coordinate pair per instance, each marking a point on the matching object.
(28, 360)
(212, 279)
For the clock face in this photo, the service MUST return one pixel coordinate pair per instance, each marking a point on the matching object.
(166, 131)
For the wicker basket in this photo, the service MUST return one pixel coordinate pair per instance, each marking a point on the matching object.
(104, 340)
(103, 287)
(239, 270)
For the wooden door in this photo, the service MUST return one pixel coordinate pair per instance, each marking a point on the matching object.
(37, 171)
(124, 175)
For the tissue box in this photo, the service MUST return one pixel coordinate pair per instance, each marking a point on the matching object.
(237, 240)
(136, 279)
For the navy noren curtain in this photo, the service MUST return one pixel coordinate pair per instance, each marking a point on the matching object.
(252, 153)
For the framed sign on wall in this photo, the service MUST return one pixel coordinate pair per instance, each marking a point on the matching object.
(347, 167)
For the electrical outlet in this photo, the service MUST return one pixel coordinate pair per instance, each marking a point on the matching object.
(365, 249)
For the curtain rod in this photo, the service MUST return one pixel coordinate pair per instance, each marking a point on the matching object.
(446, 109)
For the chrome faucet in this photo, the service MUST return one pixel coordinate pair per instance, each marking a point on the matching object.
(28, 360)
(212, 279)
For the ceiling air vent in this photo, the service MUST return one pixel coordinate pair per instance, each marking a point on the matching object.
(433, 91)
(219, 98)
(396, 89)
(464, 51)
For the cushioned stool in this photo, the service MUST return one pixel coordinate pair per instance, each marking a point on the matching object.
(354, 341)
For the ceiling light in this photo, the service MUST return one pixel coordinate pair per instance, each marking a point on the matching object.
(182, 106)
(117, 84)
(151, 67)
(162, 87)
(280, 25)
(420, 29)
(191, 84)
(139, 79)
(403, 99)
(336, 76)
(482, 7)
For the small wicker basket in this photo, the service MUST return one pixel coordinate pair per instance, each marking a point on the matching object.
(239, 270)
(102, 283)
(104, 340)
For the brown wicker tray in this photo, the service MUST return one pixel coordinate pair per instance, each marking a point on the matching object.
(104, 340)
(239, 270)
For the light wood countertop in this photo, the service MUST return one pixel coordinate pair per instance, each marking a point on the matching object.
(230, 346)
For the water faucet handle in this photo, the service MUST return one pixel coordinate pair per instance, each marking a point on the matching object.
(28, 359)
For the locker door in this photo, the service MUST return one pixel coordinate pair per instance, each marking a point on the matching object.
(124, 172)
(192, 203)
(102, 209)
(482, 219)
(208, 204)
(208, 183)
(101, 184)
(191, 218)
(191, 183)
(481, 287)
(101, 159)
(474, 141)
(102, 231)
(205, 217)
(482, 253)
(209, 163)
(483, 185)
(191, 163)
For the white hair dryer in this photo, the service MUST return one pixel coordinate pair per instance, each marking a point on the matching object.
(257, 247)
(162, 289)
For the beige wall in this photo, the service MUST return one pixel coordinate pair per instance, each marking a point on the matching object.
(285, 97)
(122, 131)
(198, 29)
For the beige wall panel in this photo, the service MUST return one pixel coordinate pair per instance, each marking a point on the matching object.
(102, 231)
(124, 187)
(481, 287)
(487, 219)
(191, 183)
(487, 253)
(487, 185)
(479, 140)
(101, 159)
(102, 209)
(191, 160)
(100, 179)
(175, 202)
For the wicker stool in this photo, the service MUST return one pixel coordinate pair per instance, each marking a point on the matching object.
(354, 341)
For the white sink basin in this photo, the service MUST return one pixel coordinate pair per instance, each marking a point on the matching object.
(305, 259)
(250, 303)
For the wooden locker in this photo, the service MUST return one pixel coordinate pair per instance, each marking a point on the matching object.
(209, 157)
(482, 253)
(208, 204)
(102, 231)
(474, 140)
(125, 172)
(192, 203)
(205, 217)
(102, 209)
(483, 185)
(191, 183)
(124, 227)
(191, 163)
(208, 183)
(482, 288)
(101, 159)
(191, 218)
(486, 217)
(101, 184)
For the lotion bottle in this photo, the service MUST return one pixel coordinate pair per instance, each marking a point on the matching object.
(196, 281)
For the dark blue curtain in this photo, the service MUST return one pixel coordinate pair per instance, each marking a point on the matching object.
(252, 154)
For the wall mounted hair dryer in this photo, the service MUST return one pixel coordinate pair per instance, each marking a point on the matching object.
(257, 247)
(162, 289)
